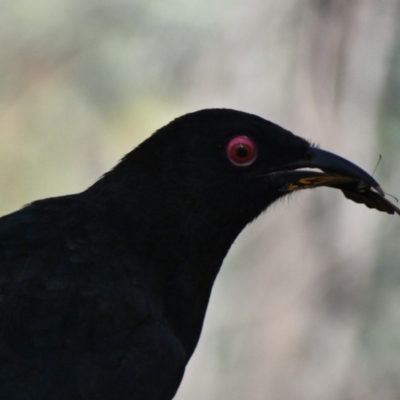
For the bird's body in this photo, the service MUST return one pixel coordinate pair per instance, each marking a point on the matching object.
(103, 293)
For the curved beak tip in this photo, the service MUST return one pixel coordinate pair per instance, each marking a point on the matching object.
(339, 173)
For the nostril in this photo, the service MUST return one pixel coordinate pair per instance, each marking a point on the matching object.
(308, 157)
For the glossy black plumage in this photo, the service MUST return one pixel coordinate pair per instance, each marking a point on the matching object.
(103, 293)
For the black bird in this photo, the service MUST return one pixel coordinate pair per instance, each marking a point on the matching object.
(103, 293)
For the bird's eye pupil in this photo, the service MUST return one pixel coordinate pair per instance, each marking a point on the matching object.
(241, 151)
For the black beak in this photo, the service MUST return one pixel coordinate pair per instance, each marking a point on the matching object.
(338, 173)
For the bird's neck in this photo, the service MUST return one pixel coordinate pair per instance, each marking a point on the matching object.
(183, 236)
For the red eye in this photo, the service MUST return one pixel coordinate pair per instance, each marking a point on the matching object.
(241, 151)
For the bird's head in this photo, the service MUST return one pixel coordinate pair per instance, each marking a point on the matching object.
(185, 194)
(221, 167)
(238, 154)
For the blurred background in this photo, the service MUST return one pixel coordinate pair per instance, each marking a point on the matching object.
(307, 304)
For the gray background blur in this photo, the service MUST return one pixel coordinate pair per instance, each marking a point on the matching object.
(307, 304)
